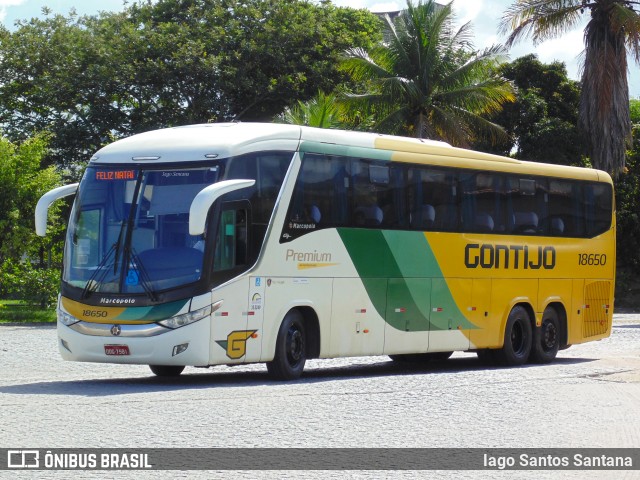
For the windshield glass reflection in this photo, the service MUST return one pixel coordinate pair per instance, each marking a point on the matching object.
(129, 231)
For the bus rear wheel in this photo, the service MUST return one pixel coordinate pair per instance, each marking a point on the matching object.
(517, 338)
(291, 349)
(546, 338)
(166, 370)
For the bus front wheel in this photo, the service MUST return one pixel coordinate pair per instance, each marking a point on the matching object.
(166, 370)
(291, 349)
(546, 338)
(517, 338)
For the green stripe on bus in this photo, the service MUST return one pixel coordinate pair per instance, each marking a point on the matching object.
(158, 312)
(345, 150)
(407, 261)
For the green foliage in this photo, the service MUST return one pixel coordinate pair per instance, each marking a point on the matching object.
(89, 80)
(22, 182)
(322, 111)
(613, 31)
(634, 110)
(427, 81)
(628, 202)
(37, 286)
(542, 122)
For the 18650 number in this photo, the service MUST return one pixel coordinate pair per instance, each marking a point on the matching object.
(592, 259)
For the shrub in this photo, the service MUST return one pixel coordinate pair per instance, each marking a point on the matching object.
(38, 286)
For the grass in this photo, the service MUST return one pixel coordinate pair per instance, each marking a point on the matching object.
(20, 312)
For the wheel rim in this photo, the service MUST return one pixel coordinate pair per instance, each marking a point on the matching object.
(518, 338)
(295, 346)
(549, 336)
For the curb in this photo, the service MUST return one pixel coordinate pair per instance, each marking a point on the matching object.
(27, 324)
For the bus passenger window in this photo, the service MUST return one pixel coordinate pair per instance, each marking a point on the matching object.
(320, 196)
(432, 199)
(376, 202)
(598, 205)
(525, 204)
(307, 213)
(483, 203)
(566, 209)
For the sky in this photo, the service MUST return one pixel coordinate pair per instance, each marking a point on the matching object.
(484, 15)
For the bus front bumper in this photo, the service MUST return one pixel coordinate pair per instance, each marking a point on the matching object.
(188, 345)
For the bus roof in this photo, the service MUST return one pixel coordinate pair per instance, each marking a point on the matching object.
(220, 140)
(200, 142)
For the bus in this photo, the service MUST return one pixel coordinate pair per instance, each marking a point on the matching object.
(267, 243)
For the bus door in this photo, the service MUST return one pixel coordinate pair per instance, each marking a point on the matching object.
(356, 326)
(407, 315)
(237, 323)
(255, 318)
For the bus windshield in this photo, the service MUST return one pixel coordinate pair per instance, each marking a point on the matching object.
(129, 230)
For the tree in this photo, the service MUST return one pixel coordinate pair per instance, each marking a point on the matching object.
(49, 81)
(23, 269)
(427, 81)
(90, 80)
(22, 182)
(613, 28)
(545, 111)
(627, 189)
(322, 111)
(628, 201)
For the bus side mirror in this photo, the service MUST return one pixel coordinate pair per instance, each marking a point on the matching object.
(42, 208)
(205, 198)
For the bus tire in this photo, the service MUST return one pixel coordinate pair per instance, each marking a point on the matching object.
(166, 370)
(517, 338)
(546, 337)
(291, 349)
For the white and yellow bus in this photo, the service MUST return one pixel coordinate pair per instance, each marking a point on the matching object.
(242, 243)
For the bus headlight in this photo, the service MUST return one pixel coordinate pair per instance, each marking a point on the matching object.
(65, 318)
(187, 318)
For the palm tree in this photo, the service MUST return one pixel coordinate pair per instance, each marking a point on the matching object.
(426, 80)
(323, 111)
(613, 29)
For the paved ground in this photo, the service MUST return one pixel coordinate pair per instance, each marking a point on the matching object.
(590, 397)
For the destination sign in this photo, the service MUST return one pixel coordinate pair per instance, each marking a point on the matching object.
(115, 175)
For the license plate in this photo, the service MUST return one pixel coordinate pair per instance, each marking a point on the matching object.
(116, 350)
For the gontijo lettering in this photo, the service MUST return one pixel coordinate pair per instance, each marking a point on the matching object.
(509, 256)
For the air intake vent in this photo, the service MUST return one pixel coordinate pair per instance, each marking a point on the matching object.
(596, 309)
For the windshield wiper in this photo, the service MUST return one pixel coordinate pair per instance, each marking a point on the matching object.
(92, 284)
(117, 246)
(145, 281)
